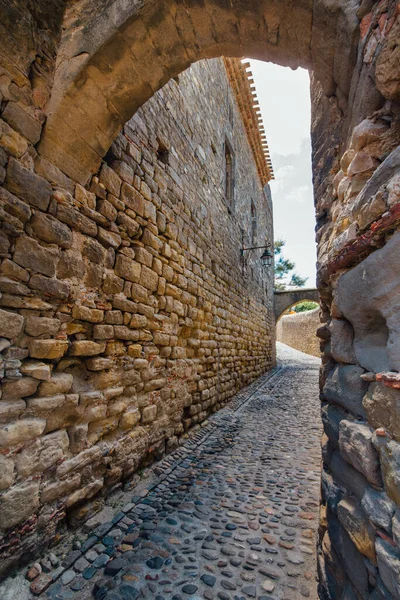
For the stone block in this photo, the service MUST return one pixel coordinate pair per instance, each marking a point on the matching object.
(127, 268)
(122, 303)
(30, 254)
(11, 269)
(129, 419)
(26, 386)
(10, 301)
(60, 383)
(161, 339)
(86, 492)
(37, 326)
(7, 475)
(382, 406)
(139, 293)
(355, 443)
(78, 437)
(143, 257)
(331, 419)
(149, 414)
(52, 491)
(365, 133)
(71, 265)
(138, 321)
(129, 225)
(345, 387)
(50, 286)
(148, 279)
(49, 229)
(27, 185)
(103, 332)
(379, 508)
(11, 324)
(68, 413)
(75, 219)
(41, 404)
(347, 477)
(132, 199)
(42, 453)
(11, 140)
(389, 454)
(112, 284)
(352, 563)
(18, 503)
(11, 286)
(84, 313)
(86, 348)
(355, 522)
(94, 251)
(367, 296)
(38, 370)
(396, 527)
(135, 350)
(121, 332)
(50, 349)
(389, 566)
(84, 458)
(109, 239)
(342, 336)
(99, 364)
(110, 179)
(11, 410)
(20, 120)
(53, 174)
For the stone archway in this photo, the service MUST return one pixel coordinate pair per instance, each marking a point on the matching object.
(285, 299)
(110, 64)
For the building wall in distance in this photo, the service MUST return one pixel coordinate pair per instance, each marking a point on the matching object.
(300, 331)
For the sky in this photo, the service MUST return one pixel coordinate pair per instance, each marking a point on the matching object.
(284, 99)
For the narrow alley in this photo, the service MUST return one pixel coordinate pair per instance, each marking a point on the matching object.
(230, 515)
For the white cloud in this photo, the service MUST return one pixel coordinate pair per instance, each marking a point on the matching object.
(285, 106)
(300, 194)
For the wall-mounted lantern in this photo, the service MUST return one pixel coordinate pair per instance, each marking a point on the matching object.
(266, 258)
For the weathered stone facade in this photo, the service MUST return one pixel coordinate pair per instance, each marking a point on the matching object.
(300, 331)
(127, 312)
(85, 69)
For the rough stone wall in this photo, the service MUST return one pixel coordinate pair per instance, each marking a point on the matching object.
(127, 313)
(356, 178)
(300, 331)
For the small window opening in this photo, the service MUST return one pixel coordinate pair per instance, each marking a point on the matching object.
(253, 223)
(163, 152)
(229, 175)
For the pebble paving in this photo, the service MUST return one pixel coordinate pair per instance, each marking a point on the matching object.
(231, 517)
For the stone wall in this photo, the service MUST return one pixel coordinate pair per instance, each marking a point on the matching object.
(127, 313)
(358, 195)
(300, 331)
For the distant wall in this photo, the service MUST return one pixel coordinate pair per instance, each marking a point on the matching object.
(299, 331)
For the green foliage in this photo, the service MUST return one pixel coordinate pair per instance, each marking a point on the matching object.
(283, 268)
(304, 306)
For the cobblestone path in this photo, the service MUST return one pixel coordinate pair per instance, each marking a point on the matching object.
(232, 515)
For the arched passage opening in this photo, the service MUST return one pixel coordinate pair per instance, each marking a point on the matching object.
(108, 65)
(298, 329)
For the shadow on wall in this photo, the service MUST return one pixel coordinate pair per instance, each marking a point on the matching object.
(299, 331)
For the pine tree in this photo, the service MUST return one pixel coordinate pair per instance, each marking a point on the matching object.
(284, 268)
